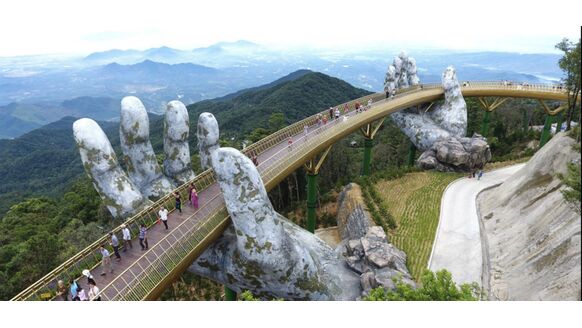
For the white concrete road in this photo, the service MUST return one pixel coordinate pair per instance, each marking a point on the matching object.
(457, 246)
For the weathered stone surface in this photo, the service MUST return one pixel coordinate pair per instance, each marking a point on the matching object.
(119, 194)
(357, 264)
(352, 219)
(376, 260)
(207, 133)
(264, 252)
(448, 120)
(125, 194)
(376, 233)
(142, 165)
(530, 234)
(354, 247)
(456, 154)
(176, 130)
(443, 122)
(368, 281)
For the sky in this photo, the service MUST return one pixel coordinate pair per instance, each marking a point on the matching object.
(80, 27)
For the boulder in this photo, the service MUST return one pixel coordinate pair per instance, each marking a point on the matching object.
(456, 154)
(352, 218)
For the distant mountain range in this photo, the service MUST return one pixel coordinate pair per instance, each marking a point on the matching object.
(32, 90)
(19, 118)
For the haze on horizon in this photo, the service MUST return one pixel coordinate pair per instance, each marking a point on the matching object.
(29, 27)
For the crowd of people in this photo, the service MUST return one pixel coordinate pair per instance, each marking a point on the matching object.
(75, 291)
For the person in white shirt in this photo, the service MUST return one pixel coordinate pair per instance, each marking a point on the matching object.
(106, 260)
(81, 294)
(163, 213)
(126, 237)
(93, 292)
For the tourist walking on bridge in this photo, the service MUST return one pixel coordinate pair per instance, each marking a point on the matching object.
(178, 202)
(62, 291)
(163, 213)
(106, 260)
(337, 113)
(331, 113)
(126, 237)
(81, 296)
(89, 276)
(73, 288)
(143, 237)
(93, 292)
(115, 244)
(194, 193)
(190, 187)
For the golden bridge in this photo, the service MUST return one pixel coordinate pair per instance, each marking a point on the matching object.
(144, 275)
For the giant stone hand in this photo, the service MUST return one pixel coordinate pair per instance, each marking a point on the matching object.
(440, 132)
(424, 128)
(123, 193)
(264, 252)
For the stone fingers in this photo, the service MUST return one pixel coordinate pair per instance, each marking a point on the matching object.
(452, 115)
(119, 194)
(176, 130)
(142, 165)
(207, 132)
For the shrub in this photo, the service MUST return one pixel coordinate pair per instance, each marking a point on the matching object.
(437, 286)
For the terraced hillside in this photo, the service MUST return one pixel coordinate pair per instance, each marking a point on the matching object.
(414, 201)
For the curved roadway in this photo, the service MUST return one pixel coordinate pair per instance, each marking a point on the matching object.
(457, 246)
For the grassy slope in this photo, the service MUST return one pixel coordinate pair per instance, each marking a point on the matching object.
(414, 201)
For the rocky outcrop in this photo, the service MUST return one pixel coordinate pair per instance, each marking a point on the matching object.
(446, 123)
(377, 261)
(353, 219)
(530, 233)
(456, 154)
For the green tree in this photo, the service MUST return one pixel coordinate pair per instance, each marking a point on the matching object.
(437, 286)
(247, 296)
(276, 121)
(572, 192)
(258, 134)
(570, 64)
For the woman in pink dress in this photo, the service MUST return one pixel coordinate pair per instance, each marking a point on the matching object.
(194, 197)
